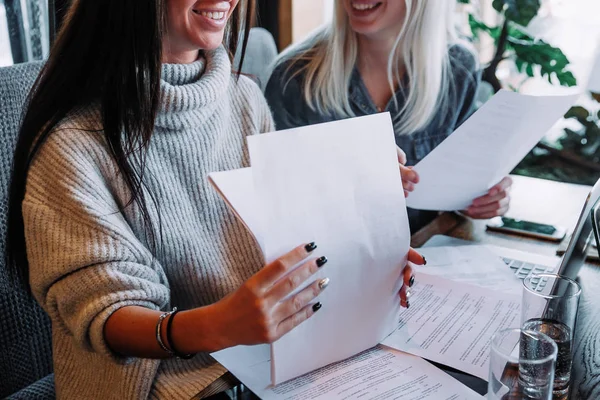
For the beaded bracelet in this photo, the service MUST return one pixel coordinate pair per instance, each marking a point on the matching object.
(159, 331)
(170, 342)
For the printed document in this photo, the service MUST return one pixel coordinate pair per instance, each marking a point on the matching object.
(453, 323)
(337, 184)
(378, 373)
(484, 149)
(472, 264)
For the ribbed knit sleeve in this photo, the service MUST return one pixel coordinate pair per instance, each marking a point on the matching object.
(85, 261)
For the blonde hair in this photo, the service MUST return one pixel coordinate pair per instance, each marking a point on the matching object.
(329, 56)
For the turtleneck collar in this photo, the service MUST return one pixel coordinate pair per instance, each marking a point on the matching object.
(191, 91)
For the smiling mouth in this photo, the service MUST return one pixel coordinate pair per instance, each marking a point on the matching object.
(365, 6)
(214, 15)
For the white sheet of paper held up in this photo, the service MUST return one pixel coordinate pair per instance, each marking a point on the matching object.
(453, 323)
(377, 373)
(484, 149)
(236, 188)
(337, 184)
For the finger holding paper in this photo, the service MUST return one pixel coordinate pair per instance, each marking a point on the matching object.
(408, 277)
(495, 203)
(410, 177)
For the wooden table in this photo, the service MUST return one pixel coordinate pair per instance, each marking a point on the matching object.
(552, 203)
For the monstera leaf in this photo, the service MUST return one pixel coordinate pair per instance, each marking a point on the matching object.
(519, 11)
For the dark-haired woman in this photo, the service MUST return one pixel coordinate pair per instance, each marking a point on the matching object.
(111, 215)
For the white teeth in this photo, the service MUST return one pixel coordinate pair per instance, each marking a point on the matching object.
(362, 6)
(213, 15)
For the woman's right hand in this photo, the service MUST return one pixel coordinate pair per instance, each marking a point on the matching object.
(259, 312)
(409, 176)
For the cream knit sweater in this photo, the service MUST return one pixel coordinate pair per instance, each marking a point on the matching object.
(87, 259)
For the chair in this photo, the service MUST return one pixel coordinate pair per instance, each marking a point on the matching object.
(260, 55)
(25, 338)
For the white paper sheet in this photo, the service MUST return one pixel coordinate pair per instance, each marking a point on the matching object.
(484, 149)
(473, 264)
(375, 374)
(453, 324)
(337, 184)
(236, 188)
(594, 79)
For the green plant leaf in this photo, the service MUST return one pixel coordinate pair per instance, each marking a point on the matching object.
(596, 96)
(519, 11)
(530, 52)
(578, 112)
(477, 26)
(464, 1)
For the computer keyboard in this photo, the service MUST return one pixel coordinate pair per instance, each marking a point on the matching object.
(523, 269)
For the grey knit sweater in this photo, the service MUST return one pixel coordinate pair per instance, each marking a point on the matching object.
(87, 259)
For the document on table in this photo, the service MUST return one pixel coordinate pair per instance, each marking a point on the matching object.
(452, 323)
(337, 184)
(484, 149)
(472, 264)
(375, 374)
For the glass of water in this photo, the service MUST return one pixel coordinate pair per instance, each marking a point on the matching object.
(550, 304)
(521, 365)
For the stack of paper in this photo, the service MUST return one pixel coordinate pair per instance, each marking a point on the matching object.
(337, 184)
(378, 373)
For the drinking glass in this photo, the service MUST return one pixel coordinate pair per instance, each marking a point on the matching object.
(550, 304)
(521, 365)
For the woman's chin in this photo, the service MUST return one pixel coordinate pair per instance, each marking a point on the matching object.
(210, 42)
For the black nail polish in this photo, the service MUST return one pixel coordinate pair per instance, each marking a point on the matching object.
(411, 282)
(322, 261)
(407, 304)
(310, 247)
(317, 307)
(424, 260)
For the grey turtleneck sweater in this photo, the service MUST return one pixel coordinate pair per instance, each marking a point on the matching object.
(87, 259)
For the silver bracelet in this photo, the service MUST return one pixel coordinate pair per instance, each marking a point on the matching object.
(159, 329)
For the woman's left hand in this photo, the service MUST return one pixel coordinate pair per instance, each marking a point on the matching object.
(409, 177)
(496, 202)
(408, 276)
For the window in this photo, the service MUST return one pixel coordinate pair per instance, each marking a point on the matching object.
(24, 31)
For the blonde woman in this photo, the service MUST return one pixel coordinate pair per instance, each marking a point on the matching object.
(386, 55)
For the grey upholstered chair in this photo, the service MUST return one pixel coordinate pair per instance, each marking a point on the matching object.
(25, 341)
(260, 55)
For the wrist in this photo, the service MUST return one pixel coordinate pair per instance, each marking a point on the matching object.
(197, 330)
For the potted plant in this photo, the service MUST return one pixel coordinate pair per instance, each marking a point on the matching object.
(576, 156)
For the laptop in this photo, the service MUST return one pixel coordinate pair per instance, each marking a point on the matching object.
(524, 264)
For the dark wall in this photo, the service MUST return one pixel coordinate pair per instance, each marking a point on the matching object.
(268, 17)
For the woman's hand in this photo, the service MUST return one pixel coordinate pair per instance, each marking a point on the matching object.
(257, 312)
(496, 202)
(409, 279)
(409, 177)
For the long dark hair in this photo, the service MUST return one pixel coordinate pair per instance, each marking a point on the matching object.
(108, 52)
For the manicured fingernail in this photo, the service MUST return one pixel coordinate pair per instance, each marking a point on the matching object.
(322, 261)
(424, 260)
(310, 247)
(411, 282)
(407, 304)
(408, 294)
(317, 307)
(323, 283)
